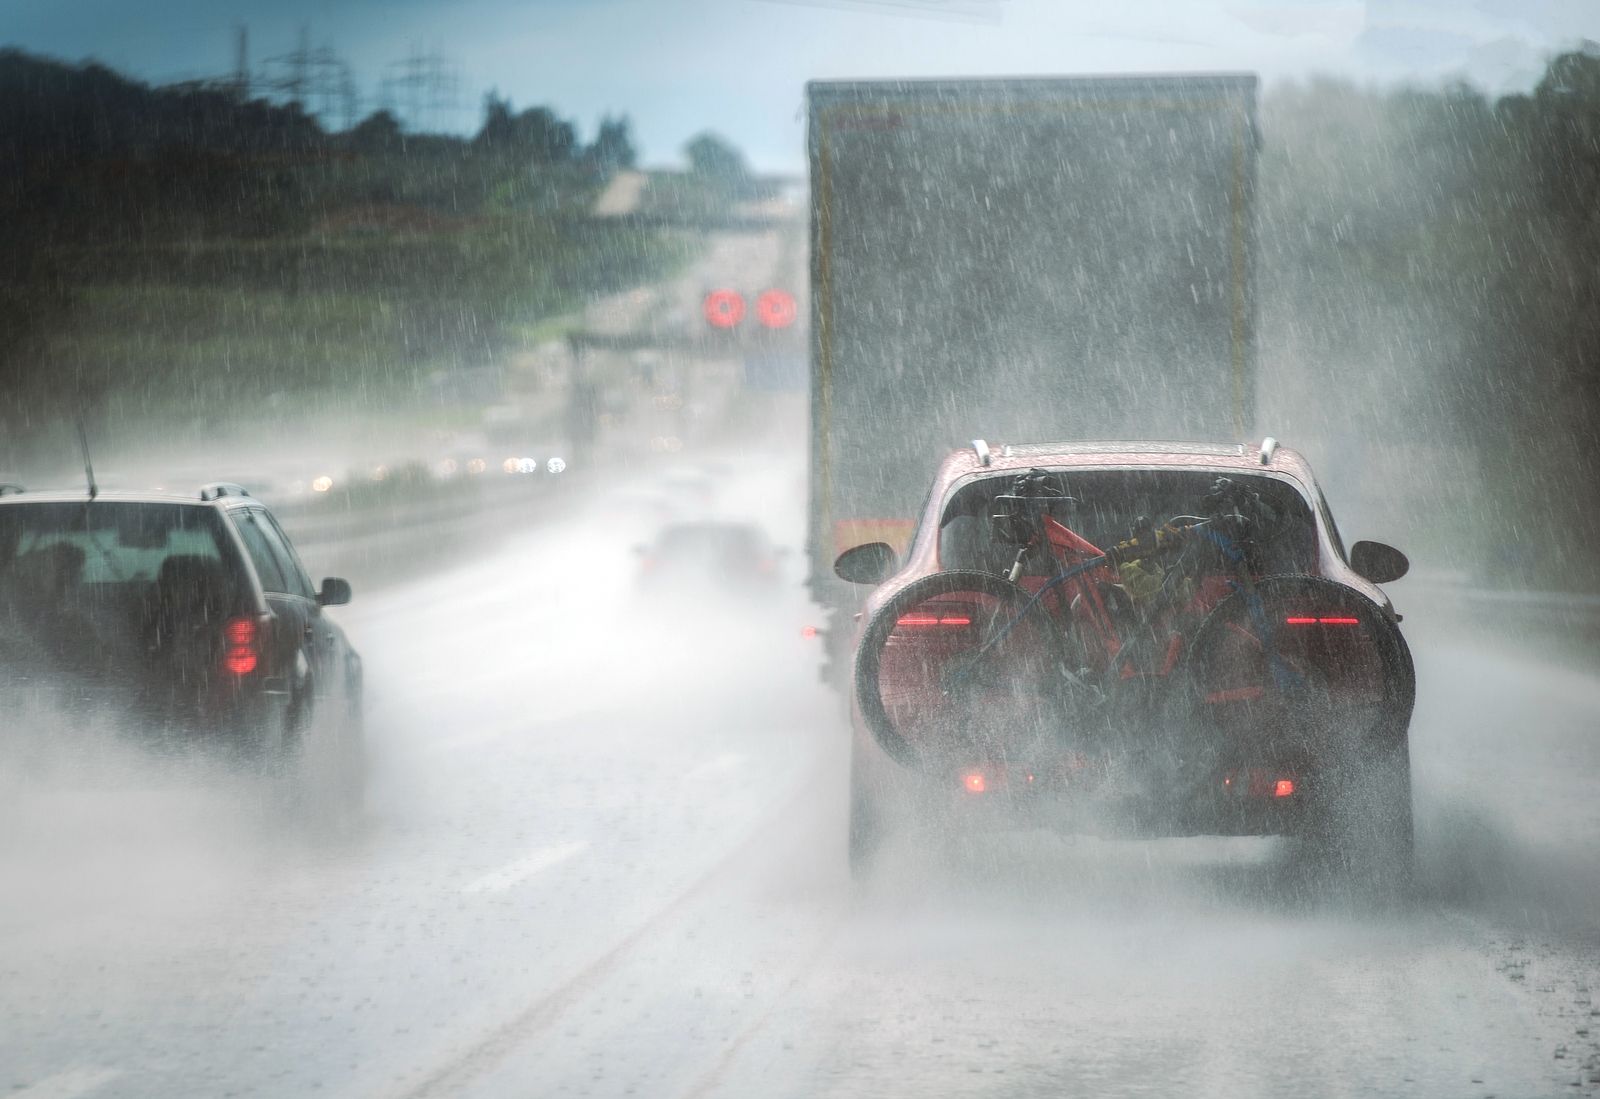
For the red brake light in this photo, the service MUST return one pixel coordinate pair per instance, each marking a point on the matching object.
(240, 657)
(724, 308)
(1283, 788)
(933, 620)
(776, 309)
(1324, 620)
(974, 782)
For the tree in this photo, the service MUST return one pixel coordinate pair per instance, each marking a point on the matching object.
(498, 124)
(613, 149)
(379, 132)
(537, 133)
(713, 158)
(544, 138)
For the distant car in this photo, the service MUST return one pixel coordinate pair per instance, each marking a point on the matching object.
(710, 555)
(694, 486)
(182, 616)
(1134, 638)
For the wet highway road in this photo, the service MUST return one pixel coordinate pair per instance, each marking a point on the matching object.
(604, 856)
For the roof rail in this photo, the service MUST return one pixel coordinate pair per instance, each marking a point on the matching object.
(1269, 447)
(981, 449)
(10, 488)
(217, 489)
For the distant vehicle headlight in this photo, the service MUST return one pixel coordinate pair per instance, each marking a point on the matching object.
(322, 484)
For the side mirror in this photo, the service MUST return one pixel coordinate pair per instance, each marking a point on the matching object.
(872, 563)
(335, 592)
(1377, 562)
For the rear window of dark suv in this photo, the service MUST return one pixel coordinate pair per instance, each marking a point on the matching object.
(60, 546)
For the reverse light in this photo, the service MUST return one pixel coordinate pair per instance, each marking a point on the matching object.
(239, 638)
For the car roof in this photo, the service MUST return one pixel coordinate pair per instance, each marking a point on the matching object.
(78, 496)
(1267, 457)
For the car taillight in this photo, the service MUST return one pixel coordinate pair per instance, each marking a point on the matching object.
(240, 655)
(1259, 783)
(1325, 620)
(933, 620)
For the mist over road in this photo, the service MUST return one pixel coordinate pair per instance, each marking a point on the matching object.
(604, 855)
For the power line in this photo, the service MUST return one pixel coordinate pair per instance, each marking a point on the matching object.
(420, 87)
(317, 80)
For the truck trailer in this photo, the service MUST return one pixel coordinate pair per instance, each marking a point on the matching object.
(1018, 259)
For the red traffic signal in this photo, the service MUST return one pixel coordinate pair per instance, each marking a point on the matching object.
(724, 308)
(777, 309)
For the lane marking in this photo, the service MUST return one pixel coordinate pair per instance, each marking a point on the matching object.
(482, 1056)
(498, 881)
(727, 761)
(67, 1085)
(715, 1076)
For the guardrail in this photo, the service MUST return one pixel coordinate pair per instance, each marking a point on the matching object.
(1570, 620)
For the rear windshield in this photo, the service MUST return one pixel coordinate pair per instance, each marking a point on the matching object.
(1105, 506)
(61, 545)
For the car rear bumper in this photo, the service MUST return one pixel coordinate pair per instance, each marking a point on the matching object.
(1240, 796)
(224, 714)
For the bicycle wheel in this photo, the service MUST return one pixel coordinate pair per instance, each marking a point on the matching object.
(1312, 675)
(1302, 657)
(959, 667)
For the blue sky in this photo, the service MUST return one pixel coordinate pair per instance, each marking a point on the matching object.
(739, 66)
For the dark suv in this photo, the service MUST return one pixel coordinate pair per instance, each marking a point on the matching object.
(186, 616)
